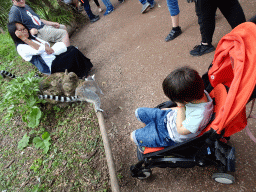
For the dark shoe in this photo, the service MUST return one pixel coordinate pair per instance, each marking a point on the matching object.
(202, 49)
(95, 18)
(108, 11)
(152, 5)
(121, 1)
(145, 7)
(173, 34)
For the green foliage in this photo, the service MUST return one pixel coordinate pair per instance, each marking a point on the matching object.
(21, 98)
(5, 6)
(36, 165)
(43, 143)
(23, 142)
(7, 50)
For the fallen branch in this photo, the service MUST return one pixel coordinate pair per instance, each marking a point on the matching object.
(111, 166)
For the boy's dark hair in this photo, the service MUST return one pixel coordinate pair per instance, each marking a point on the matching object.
(12, 28)
(183, 85)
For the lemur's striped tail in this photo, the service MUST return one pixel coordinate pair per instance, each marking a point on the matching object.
(59, 98)
(6, 73)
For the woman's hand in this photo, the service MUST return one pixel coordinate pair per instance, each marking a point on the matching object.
(20, 35)
(48, 49)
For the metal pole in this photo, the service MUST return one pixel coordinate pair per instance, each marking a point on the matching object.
(111, 166)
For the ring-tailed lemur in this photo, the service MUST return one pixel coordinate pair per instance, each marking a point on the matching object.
(85, 91)
(6, 73)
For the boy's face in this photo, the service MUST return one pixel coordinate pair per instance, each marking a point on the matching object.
(19, 3)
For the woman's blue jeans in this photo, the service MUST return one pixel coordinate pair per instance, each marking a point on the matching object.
(173, 7)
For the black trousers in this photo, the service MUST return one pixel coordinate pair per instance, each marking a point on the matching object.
(74, 61)
(206, 9)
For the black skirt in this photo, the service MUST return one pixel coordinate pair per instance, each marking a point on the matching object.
(72, 60)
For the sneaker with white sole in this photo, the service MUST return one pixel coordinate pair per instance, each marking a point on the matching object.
(145, 7)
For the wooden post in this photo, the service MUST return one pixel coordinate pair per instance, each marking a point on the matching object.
(111, 166)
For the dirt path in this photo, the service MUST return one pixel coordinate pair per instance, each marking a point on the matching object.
(130, 61)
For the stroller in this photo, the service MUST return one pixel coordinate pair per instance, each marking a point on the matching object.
(231, 82)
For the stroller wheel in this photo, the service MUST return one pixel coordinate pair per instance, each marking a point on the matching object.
(224, 178)
(146, 173)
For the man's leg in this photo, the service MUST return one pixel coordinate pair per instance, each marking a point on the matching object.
(65, 40)
(87, 8)
(51, 34)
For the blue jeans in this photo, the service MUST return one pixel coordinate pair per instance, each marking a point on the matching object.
(145, 1)
(87, 9)
(108, 4)
(155, 133)
(173, 7)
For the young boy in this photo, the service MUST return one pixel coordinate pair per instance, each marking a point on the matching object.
(166, 127)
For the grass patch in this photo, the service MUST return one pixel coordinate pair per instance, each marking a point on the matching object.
(75, 160)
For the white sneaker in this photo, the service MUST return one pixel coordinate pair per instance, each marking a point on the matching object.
(100, 10)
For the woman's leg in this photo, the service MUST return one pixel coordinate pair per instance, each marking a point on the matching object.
(205, 10)
(232, 11)
(72, 60)
(174, 11)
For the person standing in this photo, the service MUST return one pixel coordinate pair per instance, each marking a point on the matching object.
(174, 10)
(46, 30)
(205, 11)
(93, 18)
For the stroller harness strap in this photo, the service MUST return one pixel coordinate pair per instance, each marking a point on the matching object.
(234, 66)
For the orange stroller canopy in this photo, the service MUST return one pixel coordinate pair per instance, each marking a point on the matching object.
(234, 65)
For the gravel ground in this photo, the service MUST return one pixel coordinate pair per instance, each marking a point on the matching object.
(131, 59)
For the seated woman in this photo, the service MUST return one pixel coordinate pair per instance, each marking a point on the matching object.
(48, 59)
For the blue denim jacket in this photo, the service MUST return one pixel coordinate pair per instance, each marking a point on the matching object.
(38, 61)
